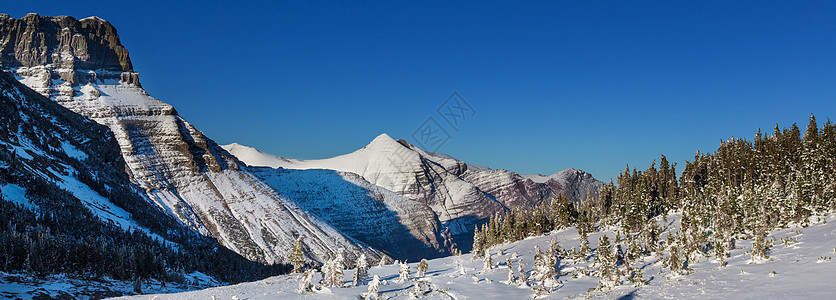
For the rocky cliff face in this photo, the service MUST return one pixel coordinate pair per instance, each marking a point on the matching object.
(66, 45)
(83, 66)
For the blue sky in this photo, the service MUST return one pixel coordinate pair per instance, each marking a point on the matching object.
(592, 85)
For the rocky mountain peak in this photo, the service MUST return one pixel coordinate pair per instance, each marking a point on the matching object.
(62, 47)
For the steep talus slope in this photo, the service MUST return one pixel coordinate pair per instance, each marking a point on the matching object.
(82, 66)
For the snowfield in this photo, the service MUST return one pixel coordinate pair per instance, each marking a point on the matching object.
(801, 269)
(23, 286)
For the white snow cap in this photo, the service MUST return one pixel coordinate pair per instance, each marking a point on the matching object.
(383, 141)
(95, 18)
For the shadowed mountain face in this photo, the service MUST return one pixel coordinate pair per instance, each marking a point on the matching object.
(82, 66)
(403, 228)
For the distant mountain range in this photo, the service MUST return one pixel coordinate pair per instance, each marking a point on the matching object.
(459, 194)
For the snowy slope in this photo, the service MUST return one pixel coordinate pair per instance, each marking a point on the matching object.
(802, 270)
(177, 167)
(254, 157)
(40, 140)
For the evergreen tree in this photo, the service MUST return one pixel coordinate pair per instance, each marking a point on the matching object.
(403, 273)
(361, 270)
(297, 259)
(422, 267)
(374, 287)
(605, 263)
(488, 261)
(478, 243)
(305, 281)
(521, 271)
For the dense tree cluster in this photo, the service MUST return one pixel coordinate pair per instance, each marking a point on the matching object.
(743, 190)
(519, 223)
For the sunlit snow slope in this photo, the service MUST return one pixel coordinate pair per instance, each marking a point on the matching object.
(802, 270)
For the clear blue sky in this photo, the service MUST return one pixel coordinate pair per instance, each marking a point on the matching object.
(556, 84)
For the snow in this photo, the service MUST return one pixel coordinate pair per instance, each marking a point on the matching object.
(95, 18)
(25, 286)
(17, 194)
(253, 157)
(538, 178)
(72, 151)
(800, 274)
(24, 149)
(101, 206)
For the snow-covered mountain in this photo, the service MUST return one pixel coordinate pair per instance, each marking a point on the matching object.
(460, 194)
(82, 65)
(404, 228)
(42, 142)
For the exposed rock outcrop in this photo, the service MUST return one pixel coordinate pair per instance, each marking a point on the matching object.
(66, 45)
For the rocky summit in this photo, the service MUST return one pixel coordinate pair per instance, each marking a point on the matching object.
(67, 45)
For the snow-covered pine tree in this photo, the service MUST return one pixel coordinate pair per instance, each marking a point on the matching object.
(560, 212)
(403, 273)
(460, 267)
(605, 263)
(511, 277)
(584, 249)
(297, 259)
(422, 267)
(554, 247)
(340, 259)
(488, 261)
(548, 274)
(374, 288)
(361, 271)
(305, 281)
(675, 263)
(382, 261)
(332, 273)
(478, 243)
(539, 264)
(523, 278)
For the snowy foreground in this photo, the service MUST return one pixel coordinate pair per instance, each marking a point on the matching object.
(801, 269)
(22, 286)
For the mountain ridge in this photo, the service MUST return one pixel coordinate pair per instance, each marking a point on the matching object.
(459, 195)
